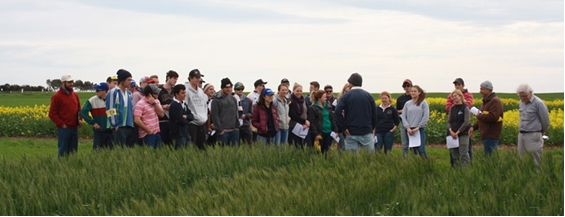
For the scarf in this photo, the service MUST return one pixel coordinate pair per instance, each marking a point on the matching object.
(298, 104)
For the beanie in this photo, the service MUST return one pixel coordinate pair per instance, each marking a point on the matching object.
(355, 79)
(123, 75)
(226, 83)
(487, 85)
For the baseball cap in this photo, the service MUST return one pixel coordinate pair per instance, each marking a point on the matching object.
(154, 88)
(407, 81)
(238, 85)
(66, 78)
(268, 92)
(195, 73)
(132, 84)
(259, 82)
(284, 80)
(459, 80)
(101, 86)
(143, 79)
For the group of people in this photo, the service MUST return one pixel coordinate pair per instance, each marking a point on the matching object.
(126, 113)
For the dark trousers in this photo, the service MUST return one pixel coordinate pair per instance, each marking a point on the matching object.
(67, 141)
(297, 141)
(103, 139)
(125, 136)
(326, 142)
(470, 151)
(246, 135)
(181, 142)
(165, 129)
(198, 135)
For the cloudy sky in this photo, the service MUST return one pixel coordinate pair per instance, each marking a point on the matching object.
(431, 42)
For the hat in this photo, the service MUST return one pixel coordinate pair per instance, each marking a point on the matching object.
(154, 88)
(268, 92)
(407, 81)
(143, 79)
(195, 73)
(101, 86)
(259, 82)
(226, 83)
(460, 81)
(132, 84)
(284, 80)
(355, 79)
(238, 85)
(206, 87)
(123, 75)
(66, 78)
(202, 81)
(328, 86)
(487, 85)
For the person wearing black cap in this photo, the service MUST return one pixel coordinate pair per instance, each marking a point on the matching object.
(96, 106)
(359, 116)
(196, 100)
(402, 99)
(119, 105)
(225, 115)
(259, 87)
(460, 85)
(146, 115)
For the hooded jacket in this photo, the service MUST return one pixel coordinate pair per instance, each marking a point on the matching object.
(489, 122)
(224, 112)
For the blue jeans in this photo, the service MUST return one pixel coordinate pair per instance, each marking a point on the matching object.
(102, 139)
(421, 150)
(153, 140)
(67, 141)
(230, 138)
(181, 142)
(384, 138)
(356, 142)
(281, 137)
(490, 146)
(264, 140)
(125, 136)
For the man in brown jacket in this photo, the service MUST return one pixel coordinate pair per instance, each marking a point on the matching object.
(489, 118)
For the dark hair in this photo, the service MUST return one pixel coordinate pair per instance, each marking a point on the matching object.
(282, 84)
(171, 74)
(317, 95)
(261, 100)
(422, 95)
(147, 91)
(328, 86)
(316, 84)
(178, 88)
(109, 79)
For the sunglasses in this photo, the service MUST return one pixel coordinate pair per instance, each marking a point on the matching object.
(239, 89)
(406, 85)
(329, 91)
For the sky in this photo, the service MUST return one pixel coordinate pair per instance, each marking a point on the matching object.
(431, 42)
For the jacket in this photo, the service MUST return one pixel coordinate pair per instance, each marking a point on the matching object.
(119, 115)
(96, 106)
(259, 119)
(294, 116)
(64, 109)
(224, 112)
(360, 112)
(386, 119)
(178, 124)
(489, 122)
(247, 110)
(316, 118)
(282, 112)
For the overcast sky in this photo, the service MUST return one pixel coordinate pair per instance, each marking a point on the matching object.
(431, 42)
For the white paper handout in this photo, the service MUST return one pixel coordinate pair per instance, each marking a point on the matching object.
(376, 140)
(300, 131)
(451, 142)
(335, 136)
(475, 110)
(414, 140)
(240, 122)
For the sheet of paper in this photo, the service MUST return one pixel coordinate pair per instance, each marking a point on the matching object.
(240, 122)
(335, 136)
(213, 132)
(475, 110)
(451, 142)
(375, 139)
(299, 131)
(414, 140)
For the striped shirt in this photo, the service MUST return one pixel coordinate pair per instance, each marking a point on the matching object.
(148, 116)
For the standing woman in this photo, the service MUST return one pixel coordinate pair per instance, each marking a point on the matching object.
(344, 90)
(387, 122)
(265, 117)
(322, 120)
(298, 112)
(415, 117)
(282, 111)
(458, 124)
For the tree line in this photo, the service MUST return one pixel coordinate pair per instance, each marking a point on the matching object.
(51, 85)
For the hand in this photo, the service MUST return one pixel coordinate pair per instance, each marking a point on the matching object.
(96, 126)
(166, 107)
(184, 116)
(307, 123)
(221, 133)
(410, 131)
(116, 128)
(471, 131)
(393, 129)
(150, 99)
(319, 137)
(346, 132)
(243, 116)
(304, 126)
(79, 124)
(64, 126)
(149, 132)
(453, 134)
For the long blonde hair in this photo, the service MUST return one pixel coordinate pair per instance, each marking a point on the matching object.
(458, 92)
(346, 86)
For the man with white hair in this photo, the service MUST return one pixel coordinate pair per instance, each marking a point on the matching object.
(534, 121)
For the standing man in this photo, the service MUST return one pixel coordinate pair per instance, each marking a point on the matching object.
(360, 116)
(245, 110)
(314, 86)
(225, 115)
(145, 116)
(112, 82)
(534, 121)
(179, 118)
(460, 85)
(489, 119)
(259, 87)
(196, 100)
(119, 108)
(96, 106)
(64, 112)
(330, 98)
(402, 99)
(166, 98)
(154, 79)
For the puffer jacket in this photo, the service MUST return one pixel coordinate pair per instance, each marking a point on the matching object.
(259, 119)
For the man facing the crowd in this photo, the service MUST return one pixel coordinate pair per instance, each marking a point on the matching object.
(489, 119)
(64, 112)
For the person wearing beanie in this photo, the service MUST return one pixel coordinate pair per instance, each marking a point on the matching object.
(489, 119)
(225, 114)
(64, 112)
(196, 100)
(400, 101)
(359, 116)
(468, 96)
(119, 105)
(96, 106)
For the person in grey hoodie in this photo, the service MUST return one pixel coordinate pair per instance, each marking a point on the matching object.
(225, 114)
(196, 100)
(282, 110)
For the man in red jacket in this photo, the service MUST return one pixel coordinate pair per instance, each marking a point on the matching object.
(64, 112)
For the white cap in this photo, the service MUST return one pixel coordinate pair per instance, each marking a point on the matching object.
(66, 78)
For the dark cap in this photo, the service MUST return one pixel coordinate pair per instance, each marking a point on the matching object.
(355, 79)
(154, 88)
(284, 80)
(459, 80)
(101, 86)
(259, 82)
(195, 73)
